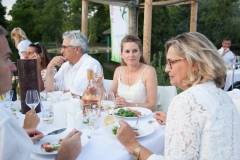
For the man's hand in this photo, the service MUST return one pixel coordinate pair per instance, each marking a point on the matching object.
(225, 50)
(160, 117)
(70, 147)
(34, 134)
(31, 120)
(56, 61)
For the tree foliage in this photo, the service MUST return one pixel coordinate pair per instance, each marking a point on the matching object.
(3, 21)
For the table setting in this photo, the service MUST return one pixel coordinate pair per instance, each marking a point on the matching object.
(98, 140)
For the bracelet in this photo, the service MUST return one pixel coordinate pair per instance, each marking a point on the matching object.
(100, 86)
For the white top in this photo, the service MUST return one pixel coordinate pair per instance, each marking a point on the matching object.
(136, 93)
(75, 76)
(202, 123)
(22, 47)
(228, 57)
(15, 143)
(43, 75)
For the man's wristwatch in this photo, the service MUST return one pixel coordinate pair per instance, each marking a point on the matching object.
(136, 152)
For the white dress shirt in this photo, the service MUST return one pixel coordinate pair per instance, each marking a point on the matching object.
(74, 77)
(14, 141)
(202, 123)
(228, 57)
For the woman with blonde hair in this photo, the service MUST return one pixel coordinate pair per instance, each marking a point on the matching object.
(202, 121)
(21, 41)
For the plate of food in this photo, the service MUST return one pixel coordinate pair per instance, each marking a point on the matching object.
(131, 112)
(49, 145)
(142, 130)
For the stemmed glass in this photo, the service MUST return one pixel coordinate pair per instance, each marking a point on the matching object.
(108, 102)
(74, 107)
(97, 71)
(93, 113)
(59, 92)
(32, 98)
(8, 97)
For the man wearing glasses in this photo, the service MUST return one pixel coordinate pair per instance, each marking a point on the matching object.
(72, 76)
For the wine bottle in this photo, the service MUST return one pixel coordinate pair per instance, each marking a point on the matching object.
(90, 97)
(18, 89)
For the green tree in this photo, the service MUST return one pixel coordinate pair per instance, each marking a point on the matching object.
(3, 21)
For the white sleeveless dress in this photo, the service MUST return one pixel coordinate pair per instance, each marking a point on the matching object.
(136, 93)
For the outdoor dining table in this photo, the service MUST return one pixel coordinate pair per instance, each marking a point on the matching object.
(104, 146)
(229, 77)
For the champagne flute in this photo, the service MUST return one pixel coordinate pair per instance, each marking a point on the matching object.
(92, 113)
(32, 98)
(8, 97)
(97, 71)
(74, 107)
(108, 102)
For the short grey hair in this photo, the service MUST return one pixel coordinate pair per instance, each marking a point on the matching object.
(77, 39)
(3, 31)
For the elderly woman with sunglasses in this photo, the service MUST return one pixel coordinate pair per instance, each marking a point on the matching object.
(202, 122)
(39, 52)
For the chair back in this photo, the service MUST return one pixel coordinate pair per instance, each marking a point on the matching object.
(165, 94)
(107, 84)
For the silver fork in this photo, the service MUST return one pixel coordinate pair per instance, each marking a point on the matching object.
(136, 125)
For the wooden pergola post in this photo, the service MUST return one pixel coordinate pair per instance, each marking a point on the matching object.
(132, 29)
(147, 31)
(85, 17)
(193, 20)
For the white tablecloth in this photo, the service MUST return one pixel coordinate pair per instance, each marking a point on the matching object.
(229, 78)
(104, 146)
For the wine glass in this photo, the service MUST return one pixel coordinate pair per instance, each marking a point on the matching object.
(8, 97)
(32, 98)
(108, 102)
(74, 107)
(93, 113)
(97, 71)
(59, 92)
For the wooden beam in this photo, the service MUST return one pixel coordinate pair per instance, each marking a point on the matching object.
(165, 3)
(114, 3)
(85, 17)
(147, 31)
(132, 29)
(193, 20)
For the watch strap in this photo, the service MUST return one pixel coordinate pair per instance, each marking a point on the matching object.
(136, 152)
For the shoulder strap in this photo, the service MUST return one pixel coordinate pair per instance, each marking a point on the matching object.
(144, 70)
(120, 72)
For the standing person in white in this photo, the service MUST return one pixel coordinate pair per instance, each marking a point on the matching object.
(21, 42)
(225, 52)
(73, 73)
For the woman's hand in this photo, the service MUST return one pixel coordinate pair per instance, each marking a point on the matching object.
(34, 134)
(120, 102)
(126, 136)
(160, 117)
(31, 120)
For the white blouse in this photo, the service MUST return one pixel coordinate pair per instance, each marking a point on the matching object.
(202, 123)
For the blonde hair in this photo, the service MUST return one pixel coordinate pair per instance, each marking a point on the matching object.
(199, 51)
(18, 35)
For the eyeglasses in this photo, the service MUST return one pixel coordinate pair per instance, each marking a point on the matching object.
(170, 62)
(64, 47)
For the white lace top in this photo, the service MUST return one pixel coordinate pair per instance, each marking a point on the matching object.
(134, 94)
(202, 123)
(44, 73)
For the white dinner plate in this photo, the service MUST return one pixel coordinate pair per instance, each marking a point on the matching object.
(144, 111)
(144, 129)
(54, 140)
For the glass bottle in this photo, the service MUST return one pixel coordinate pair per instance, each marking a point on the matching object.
(90, 97)
(18, 89)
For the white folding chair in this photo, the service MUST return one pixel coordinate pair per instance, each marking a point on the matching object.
(165, 94)
(107, 84)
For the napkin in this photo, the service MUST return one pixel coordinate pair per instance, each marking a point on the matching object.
(59, 114)
(65, 96)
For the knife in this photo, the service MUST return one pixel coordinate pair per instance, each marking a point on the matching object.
(56, 132)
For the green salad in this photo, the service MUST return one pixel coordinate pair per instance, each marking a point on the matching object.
(114, 130)
(125, 113)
